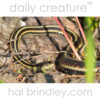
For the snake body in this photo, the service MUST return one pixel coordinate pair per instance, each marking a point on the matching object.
(65, 62)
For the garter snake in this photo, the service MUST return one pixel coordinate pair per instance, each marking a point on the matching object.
(65, 62)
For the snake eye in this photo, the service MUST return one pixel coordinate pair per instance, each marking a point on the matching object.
(83, 54)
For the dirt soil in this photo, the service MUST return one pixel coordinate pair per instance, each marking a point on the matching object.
(12, 72)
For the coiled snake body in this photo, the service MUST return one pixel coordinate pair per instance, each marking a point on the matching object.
(65, 62)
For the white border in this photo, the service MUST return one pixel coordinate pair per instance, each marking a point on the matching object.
(19, 91)
(6, 9)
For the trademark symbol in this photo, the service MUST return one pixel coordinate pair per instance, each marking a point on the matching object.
(90, 3)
